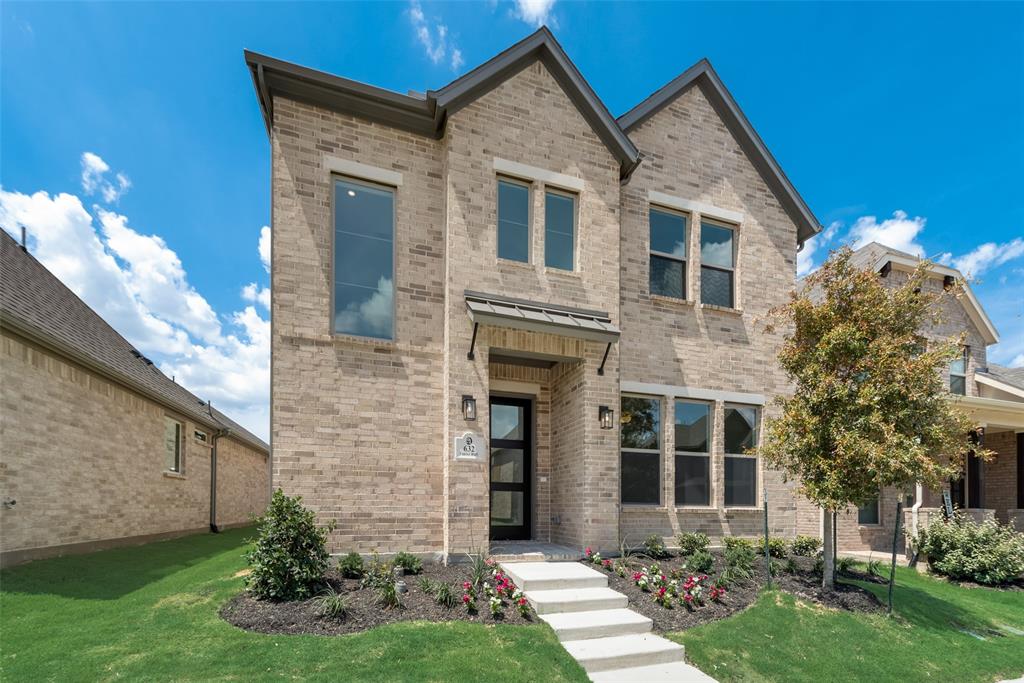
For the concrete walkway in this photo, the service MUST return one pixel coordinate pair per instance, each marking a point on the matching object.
(612, 643)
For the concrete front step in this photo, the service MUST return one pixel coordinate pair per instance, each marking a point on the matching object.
(674, 672)
(620, 652)
(540, 576)
(575, 600)
(597, 624)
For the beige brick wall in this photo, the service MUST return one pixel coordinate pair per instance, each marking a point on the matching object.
(690, 155)
(243, 483)
(84, 459)
(1000, 475)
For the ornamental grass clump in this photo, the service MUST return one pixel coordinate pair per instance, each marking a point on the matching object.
(289, 556)
(960, 548)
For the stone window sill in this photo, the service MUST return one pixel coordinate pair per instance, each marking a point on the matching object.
(662, 299)
(722, 309)
(644, 507)
(520, 265)
(341, 338)
(743, 508)
(173, 475)
(697, 508)
(575, 274)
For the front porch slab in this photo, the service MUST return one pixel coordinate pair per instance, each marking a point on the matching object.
(532, 551)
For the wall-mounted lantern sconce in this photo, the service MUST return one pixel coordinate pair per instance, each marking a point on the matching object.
(606, 416)
(468, 407)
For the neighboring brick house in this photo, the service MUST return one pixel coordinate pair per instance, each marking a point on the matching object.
(994, 398)
(503, 260)
(98, 448)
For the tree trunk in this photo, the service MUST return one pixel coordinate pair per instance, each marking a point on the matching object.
(828, 581)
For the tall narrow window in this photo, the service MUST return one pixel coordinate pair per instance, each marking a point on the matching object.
(559, 229)
(867, 513)
(364, 259)
(513, 220)
(717, 265)
(668, 253)
(693, 455)
(172, 445)
(641, 452)
(958, 374)
(740, 469)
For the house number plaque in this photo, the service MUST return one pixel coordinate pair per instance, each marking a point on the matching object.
(469, 446)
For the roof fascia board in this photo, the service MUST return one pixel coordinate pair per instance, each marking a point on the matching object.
(971, 303)
(996, 384)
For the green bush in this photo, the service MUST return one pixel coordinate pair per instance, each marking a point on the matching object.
(776, 546)
(740, 557)
(378, 573)
(692, 543)
(408, 562)
(844, 564)
(806, 546)
(428, 586)
(988, 553)
(289, 557)
(700, 562)
(351, 566)
(445, 595)
(387, 594)
(654, 546)
(331, 604)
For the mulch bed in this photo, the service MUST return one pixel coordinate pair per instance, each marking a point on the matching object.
(265, 616)
(804, 583)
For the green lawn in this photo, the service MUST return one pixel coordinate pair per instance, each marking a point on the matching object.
(150, 613)
(783, 639)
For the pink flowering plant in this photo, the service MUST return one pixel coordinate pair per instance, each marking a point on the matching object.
(592, 557)
(469, 597)
(522, 605)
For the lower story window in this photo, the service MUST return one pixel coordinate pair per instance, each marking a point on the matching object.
(693, 457)
(740, 468)
(693, 480)
(640, 480)
(867, 513)
(640, 459)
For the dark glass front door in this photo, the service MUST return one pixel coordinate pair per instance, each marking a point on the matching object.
(511, 445)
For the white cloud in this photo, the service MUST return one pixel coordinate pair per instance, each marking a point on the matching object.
(988, 255)
(805, 257)
(139, 285)
(264, 247)
(534, 12)
(94, 178)
(433, 36)
(898, 232)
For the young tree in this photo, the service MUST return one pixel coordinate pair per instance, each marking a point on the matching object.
(869, 408)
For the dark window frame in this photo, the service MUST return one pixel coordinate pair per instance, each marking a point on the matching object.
(529, 217)
(653, 253)
(723, 269)
(624, 452)
(742, 456)
(690, 454)
(575, 197)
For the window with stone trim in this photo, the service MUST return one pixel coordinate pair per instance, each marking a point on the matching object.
(172, 444)
(513, 220)
(958, 374)
(717, 264)
(640, 453)
(364, 259)
(693, 453)
(559, 229)
(740, 468)
(668, 253)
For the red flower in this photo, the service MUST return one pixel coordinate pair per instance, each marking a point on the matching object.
(465, 598)
(522, 601)
(588, 551)
(467, 585)
(688, 597)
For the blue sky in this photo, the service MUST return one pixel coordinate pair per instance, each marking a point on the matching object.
(898, 122)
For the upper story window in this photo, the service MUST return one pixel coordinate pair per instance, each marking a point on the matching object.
(958, 374)
(740, 469)
(668, 253)
(640, 457)
(513, 220)
(693, 453)
(559, 229)
(717, 264)
(172, 444)
(364, 259)
(200, 436)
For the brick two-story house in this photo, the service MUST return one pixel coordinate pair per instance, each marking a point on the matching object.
(501, 313)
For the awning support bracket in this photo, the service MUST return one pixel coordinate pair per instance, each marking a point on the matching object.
(604, 359)
(472, 343)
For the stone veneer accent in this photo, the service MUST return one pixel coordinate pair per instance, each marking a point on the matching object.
(83, 457)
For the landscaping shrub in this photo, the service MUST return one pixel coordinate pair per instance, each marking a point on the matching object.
(700, 562)
(289, 557)
(351, 566)
(987, 553)
(445, 595)
(692, 543)
(654, 546)
(790, 567)
(331, 604)
(428, 586)
(378, 574)
(737, 542)
(739, 562)
(874, 567)
(408, 562)
(844, 565)
(479, 570)
(776, 546)
(806, 546)
(387, 594)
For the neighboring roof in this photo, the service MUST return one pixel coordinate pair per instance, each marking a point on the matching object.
(428, 115)
(1009, 380)
(703, 75)
(520, 314)
(875, 256)
(38, 306)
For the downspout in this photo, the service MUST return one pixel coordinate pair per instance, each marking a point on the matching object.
(914, 510)
(213, 471)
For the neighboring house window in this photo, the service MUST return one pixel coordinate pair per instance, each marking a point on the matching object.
(641, 453)
(958, 374)
(668, 253)
(740, 469)
(172, 444)
(868, 512)
(200, 436)
(559, 229)
(513, 220)
(693, 454)
(364, 259)
(717, 265)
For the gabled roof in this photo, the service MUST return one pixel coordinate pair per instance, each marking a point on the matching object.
(702, 74)
(38, 306)
(1010, 380)
(428, 115)
(875, 256)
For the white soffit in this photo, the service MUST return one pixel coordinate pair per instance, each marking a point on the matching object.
(670, 202)
(518, 170)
